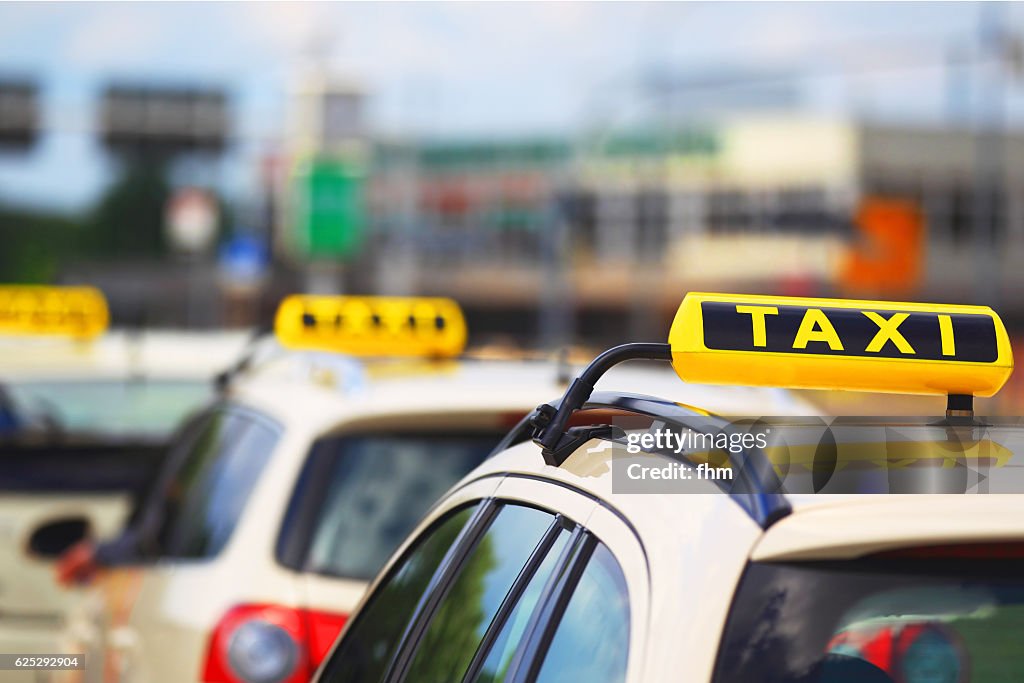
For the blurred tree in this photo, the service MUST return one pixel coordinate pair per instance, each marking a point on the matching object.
(34, 244)
(455, 632)
(128, 221)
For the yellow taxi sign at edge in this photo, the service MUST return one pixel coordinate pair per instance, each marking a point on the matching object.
(880, 346)
(79, 312)
(372, 325)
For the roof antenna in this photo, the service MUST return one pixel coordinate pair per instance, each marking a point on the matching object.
(222, 380)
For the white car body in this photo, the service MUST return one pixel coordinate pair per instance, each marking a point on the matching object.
(32, 606)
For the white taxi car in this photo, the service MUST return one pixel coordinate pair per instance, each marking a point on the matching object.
(85, 414)
(623, 537)
(284, 499)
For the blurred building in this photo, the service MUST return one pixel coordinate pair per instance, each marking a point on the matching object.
(631, 219)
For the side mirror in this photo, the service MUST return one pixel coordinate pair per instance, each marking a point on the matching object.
(53, 538)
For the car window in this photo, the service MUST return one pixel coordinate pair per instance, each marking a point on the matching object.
(591, 642)
(364, 494)
(484, 580)
(505, 587)
(370, 643)
(208, 492)
(499, 656)
(133, 407)
(9, 421)
(77, 465)
(940, 614)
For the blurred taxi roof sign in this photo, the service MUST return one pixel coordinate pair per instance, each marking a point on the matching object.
(78, 312)
(372, 325)
(882, 346)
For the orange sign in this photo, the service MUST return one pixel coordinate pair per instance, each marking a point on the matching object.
(889, 254)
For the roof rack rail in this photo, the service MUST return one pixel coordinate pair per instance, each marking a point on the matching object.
(556, 441)
(756, 488)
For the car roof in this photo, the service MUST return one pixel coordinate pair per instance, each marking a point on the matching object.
(320, 391)
(155, 354)
(853, 525)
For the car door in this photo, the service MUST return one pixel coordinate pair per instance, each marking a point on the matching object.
(504, 589)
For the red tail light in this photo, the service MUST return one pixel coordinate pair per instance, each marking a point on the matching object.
(254, 643)
(323, 629)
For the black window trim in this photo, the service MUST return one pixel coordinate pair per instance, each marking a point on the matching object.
(440, 583)
(558, 525)
(551, 606)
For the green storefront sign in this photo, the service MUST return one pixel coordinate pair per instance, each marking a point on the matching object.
(331, 208)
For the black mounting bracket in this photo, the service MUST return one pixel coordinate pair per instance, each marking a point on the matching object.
(960, 409)
(550, 422)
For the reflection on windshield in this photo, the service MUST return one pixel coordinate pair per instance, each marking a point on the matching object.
(921, 621)
(111, 408)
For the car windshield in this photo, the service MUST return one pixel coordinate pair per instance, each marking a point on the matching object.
(907, 620)
(122, 407)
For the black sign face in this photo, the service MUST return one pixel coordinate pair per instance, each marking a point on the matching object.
(963, 337)
(164, 119)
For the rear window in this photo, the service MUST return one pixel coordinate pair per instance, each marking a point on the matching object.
(135, 407)
(209, 489)
(77, 466)
(360, 496)
(879, 621)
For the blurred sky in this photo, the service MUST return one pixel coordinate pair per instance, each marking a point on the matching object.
(452, 69)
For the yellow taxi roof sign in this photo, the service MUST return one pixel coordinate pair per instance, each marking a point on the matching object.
(372, 325)
(78, 312)
(880, 346)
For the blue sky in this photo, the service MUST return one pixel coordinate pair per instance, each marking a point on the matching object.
(454, 68)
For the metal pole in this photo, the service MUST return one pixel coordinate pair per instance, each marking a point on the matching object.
(989, 158)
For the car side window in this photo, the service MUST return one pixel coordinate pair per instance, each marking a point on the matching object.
(591, 642)
(526, 593)
(463, 616)
(370, 643)
(498, 655)
(207, 495)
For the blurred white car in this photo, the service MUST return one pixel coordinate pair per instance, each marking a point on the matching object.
(284, 499)
(84, 421)
(597, 548)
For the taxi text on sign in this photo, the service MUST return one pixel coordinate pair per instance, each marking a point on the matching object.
(840, 344)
